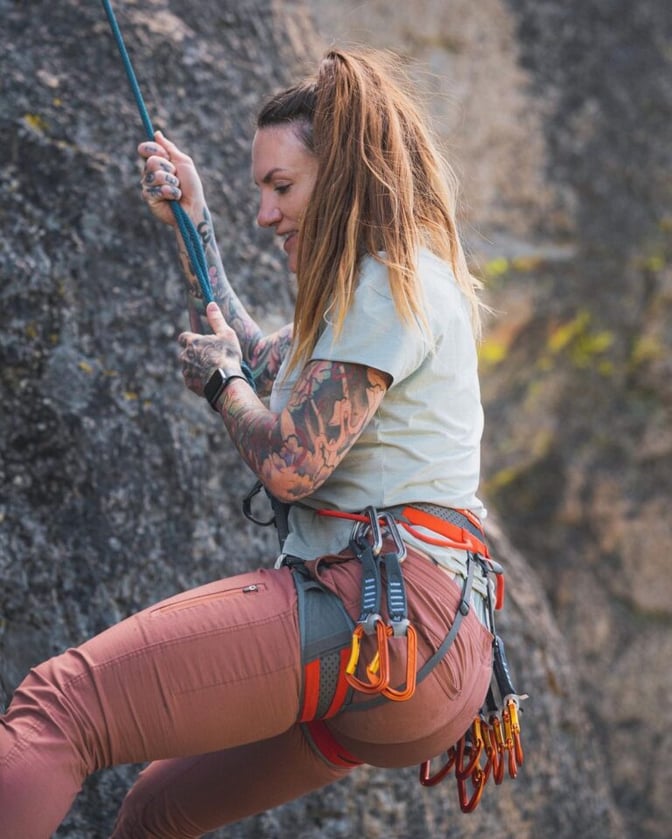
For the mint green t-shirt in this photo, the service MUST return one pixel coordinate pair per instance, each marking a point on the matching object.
(423, 443)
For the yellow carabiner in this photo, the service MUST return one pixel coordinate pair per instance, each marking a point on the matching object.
(380, 659)
(355, 647)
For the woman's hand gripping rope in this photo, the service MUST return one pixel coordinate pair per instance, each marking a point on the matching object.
(169, 175)
(201, 355)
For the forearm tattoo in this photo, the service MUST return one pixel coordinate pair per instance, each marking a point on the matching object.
(294, 452)
(263, 354)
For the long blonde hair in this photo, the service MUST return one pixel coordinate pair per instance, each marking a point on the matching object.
(382, 189)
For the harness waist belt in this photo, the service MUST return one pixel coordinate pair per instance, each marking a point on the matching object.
(460, 526)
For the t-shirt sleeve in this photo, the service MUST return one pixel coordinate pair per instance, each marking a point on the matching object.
(373, 333)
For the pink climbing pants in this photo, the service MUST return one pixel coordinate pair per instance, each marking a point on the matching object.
(206, 685)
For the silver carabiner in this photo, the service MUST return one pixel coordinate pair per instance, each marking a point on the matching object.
(362, 528)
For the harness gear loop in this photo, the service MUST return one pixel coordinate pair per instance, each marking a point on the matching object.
(247, 506)
(492, 744)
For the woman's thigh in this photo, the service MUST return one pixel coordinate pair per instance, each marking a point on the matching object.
(179, 799)
(208, 669)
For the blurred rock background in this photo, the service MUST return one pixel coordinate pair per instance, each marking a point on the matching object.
(117, 487)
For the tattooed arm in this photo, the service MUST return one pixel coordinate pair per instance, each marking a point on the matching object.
(292, 452)
(170, 175)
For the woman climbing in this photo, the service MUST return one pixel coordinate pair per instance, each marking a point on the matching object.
(368, 640)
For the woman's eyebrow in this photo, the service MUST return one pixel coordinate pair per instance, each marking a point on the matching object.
(268, 177)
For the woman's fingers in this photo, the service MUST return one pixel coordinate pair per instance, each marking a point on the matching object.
(159, 181)
(162, 182)
(169, 175)
(172, 151)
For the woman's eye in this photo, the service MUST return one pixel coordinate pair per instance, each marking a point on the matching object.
(281, 189)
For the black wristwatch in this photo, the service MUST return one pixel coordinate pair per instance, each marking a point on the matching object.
(217, 384)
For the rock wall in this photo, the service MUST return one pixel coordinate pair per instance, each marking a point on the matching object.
(117, 487)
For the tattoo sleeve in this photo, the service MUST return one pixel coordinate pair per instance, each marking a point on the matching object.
(263, 354)
(294, 452)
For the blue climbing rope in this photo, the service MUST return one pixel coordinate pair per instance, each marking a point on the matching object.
(192, 240)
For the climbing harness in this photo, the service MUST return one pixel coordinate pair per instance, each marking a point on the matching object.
(189, 233)
(330, 642)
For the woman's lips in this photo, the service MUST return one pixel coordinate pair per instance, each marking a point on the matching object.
(288, 242)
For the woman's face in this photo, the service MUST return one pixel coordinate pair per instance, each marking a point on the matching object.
(285, 171)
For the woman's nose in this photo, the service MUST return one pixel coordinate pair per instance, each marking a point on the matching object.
(268, 215)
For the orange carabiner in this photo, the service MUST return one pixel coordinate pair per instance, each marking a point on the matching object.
(411, 667)
(478, 779)
(471, 747)
(515, 732)
(491, 750)
(379, 664)
(429, 780)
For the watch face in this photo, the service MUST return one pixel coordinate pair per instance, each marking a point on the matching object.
(214, 386)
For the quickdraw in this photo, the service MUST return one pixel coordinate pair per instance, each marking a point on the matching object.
(492, 745)
(367, 545)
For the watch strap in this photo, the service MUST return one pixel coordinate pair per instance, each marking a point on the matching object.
(217, 384)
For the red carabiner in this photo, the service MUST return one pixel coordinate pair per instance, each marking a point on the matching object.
(429, 780)
(469, 804)
(515, 732)
(498, 773)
